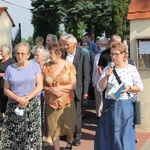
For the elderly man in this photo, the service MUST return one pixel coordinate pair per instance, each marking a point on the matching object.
(50, 40)
(81, 62)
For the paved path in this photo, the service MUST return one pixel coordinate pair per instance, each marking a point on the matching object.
(88, 132)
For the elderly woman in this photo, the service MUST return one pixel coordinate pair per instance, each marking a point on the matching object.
(41, 56)
(4, 63)
(116, 129)
(23, 82)
(59, 82)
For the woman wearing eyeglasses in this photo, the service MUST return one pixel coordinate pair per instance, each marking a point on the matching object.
(23, 82)
(116, 129)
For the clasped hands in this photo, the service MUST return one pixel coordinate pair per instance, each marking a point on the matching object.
(23, 101)
(56, 91)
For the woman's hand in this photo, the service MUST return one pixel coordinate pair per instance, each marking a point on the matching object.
(109, 71)
(23, 101)
(127, 89)
(55, 90)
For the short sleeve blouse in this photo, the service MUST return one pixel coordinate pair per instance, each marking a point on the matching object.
(22, 81)
(63, 78)
(129, 76)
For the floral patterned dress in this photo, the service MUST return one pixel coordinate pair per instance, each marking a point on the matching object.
(58, 121)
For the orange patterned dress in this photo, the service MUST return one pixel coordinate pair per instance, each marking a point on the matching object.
(59, 120)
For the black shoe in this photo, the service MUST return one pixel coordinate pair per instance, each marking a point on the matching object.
(84, 117)
(63, 138)
(136, 140)
(76, 143)
(68, 148)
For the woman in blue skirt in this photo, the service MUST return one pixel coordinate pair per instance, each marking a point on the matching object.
(116, 129)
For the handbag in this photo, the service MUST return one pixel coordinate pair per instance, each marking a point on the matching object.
(137, 112)
(136, 104)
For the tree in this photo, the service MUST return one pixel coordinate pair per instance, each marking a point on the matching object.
(46, 18)
(30, 41)
(88, 12)
(78, 16)
(119, 15)
(98, 17)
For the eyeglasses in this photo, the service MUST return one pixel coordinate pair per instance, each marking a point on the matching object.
(114, 54)
(22, 54)
(103, 44)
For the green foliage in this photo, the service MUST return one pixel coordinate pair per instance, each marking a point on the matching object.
(45, 18)
(119, 14)
(30, 40)
(78, 16)
(23, 40)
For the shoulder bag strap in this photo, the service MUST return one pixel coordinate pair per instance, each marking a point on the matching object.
(116, 75)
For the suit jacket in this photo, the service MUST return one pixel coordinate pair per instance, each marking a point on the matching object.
(82, 65)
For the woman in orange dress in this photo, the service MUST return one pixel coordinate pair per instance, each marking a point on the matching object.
(60, 113)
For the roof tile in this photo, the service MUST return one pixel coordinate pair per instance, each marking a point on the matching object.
(139, 9)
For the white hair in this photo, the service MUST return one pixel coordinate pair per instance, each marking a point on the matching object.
(6, 48)
(45, 53)
(71, 39)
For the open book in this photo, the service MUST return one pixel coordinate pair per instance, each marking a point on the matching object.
(115, 91)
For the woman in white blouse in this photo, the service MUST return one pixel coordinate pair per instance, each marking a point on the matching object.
(116, 128)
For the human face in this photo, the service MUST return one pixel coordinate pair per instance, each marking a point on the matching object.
(62, 43)
(87, 38)
(38, 57)
(70, 47)
(101, 44)
(49, 41)
(39, 43)
(53, 56)
(116, 56)
(22, 54)
(3, 53)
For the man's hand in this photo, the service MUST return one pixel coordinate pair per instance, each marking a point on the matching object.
(85, 96)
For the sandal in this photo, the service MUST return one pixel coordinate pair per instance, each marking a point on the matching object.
(68, 147)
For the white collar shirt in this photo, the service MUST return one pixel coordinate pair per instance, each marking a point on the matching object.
(70, 57)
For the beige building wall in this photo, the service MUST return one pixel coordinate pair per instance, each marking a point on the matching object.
(141, 29)
(5, 29)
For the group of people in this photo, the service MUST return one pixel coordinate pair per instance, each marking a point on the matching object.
(51, 89)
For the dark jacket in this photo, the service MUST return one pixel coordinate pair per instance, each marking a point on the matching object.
(82, 65)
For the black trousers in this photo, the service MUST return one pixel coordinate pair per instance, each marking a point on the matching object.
(78, 103)
(3, 101)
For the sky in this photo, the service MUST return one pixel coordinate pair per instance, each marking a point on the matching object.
(20, 14)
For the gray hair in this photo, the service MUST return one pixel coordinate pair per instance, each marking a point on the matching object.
(54, 38)
(64, 36)
(24, 44)
(105, 40)
(45, 53)
(71, 39)
(39, 39)
(6, 48)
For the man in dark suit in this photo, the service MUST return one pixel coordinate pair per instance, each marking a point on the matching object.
(81, 62)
